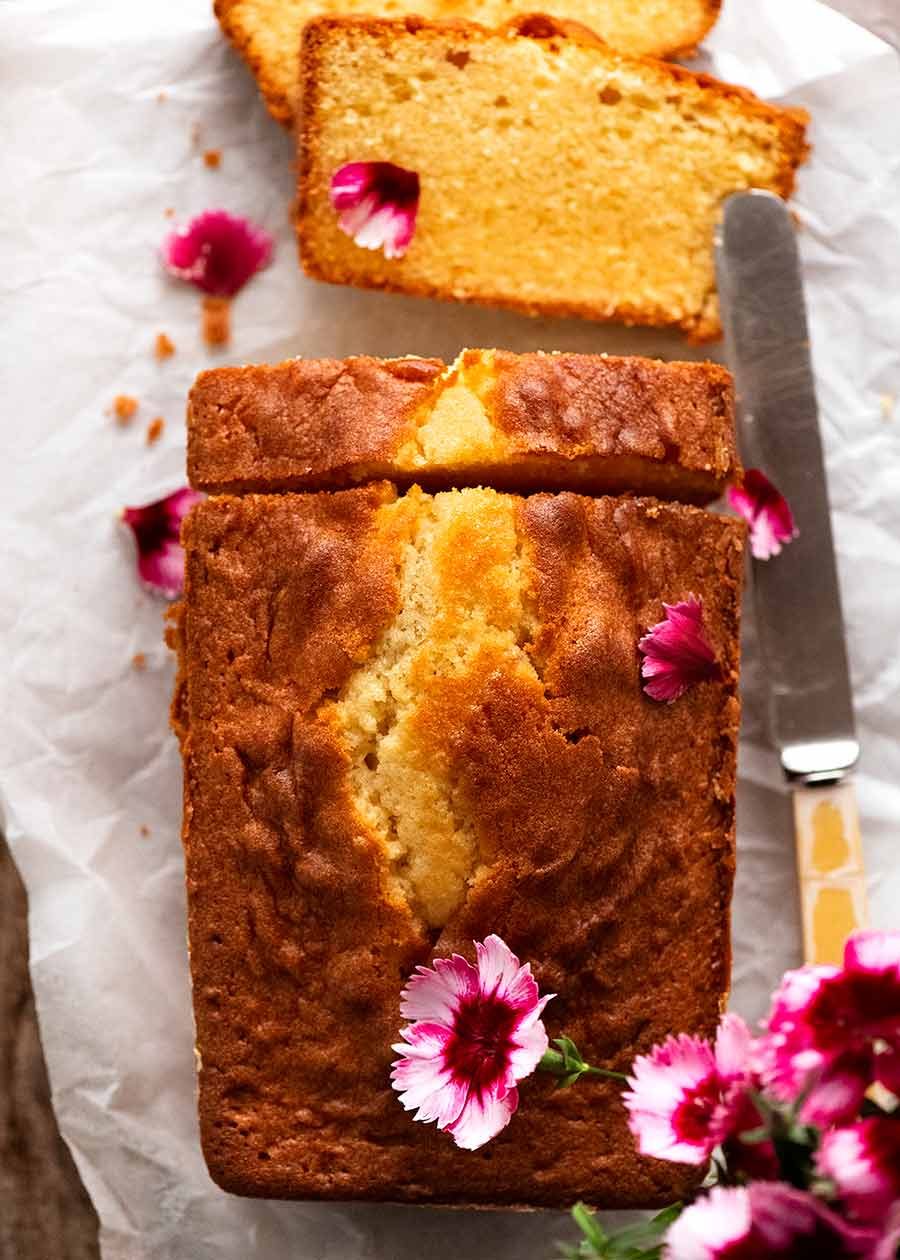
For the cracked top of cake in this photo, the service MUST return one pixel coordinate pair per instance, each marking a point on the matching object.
(521, 422)
(410, 721)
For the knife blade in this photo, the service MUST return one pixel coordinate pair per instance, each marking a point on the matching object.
(796, 594)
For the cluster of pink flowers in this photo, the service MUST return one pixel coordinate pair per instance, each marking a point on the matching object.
(788, 1101)
(807, 1163)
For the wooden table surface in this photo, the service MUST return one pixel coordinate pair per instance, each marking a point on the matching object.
(45, 1213)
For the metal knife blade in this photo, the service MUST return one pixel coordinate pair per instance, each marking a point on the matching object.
(796, 593)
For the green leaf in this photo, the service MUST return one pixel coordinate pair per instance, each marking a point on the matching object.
(593, 1232)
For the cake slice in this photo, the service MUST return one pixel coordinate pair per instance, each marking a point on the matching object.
(408, 722)
(267, 32)
(555, 176)
(523, 422)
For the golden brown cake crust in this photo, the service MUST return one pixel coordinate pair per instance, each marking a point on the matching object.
(557, 421)
(700, 325)
(604, 823)
(241, 29)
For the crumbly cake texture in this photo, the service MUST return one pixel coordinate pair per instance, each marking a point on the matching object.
(266, 33)
(408, 722)
(558, 177)
(522, 422)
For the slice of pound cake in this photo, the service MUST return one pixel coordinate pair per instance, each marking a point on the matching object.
(527, 168)
(267, 32)
(517, 421)
(407, 723)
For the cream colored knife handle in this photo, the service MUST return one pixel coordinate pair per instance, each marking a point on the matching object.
(830, 868)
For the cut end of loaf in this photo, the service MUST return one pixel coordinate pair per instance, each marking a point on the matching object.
(558, 177)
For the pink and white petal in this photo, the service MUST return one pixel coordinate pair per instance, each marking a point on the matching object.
(349, 184)
(863, 1161)
(529, 1047)
(482, 1118)
(440, 1098)
(656, 1137)
(873, 951)
(764, 541)
(501, 973)
(734, 1047)
(162, 570)
(435, 994)
(709, 1227)
(836, 1098)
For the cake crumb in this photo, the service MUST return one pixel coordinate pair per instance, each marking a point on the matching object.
(887, 402)
(144, 829)
(164, 346)
(196, 134)
(162, 96)
(212, 158)
(155, 430)
(139, 661)
(216, 320)
(169, 212)
(124, 408)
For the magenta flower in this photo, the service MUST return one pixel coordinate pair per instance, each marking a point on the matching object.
(835, 1030)
(764, 1221)
(766, 511)
(686, 1096)
(217, 252)
(377, 204)
(676, 652)
(157, 532)
(863, 1161)
(475, 1032)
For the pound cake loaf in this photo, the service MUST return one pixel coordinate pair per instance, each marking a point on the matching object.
(266, 33)
(411, 721)
(515, 421)
(538, 169)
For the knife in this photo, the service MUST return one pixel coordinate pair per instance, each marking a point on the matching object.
(796, 594)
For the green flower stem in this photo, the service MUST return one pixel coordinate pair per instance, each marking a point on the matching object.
(567, 1064)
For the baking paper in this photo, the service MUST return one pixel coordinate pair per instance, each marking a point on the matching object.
(106, 110)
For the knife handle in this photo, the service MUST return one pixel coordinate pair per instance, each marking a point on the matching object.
(830, 868)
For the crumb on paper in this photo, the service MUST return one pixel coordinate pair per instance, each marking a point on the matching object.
(155, 430)
(169, 212)
(212, 158)
(887, 403)
(144, 830)
(216, 320)
(196, 134)
(139, 661)
(164, 346)
(124, 408)
(162, 96)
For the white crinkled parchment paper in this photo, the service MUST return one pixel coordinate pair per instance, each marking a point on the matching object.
(106, 109)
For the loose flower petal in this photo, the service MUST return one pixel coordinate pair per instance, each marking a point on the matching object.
(764, 1221)
(766, 511)
(157, 532)
(476, 1031)
(676, 652)
(863, 1161)
(377, 204)
(217, 252)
